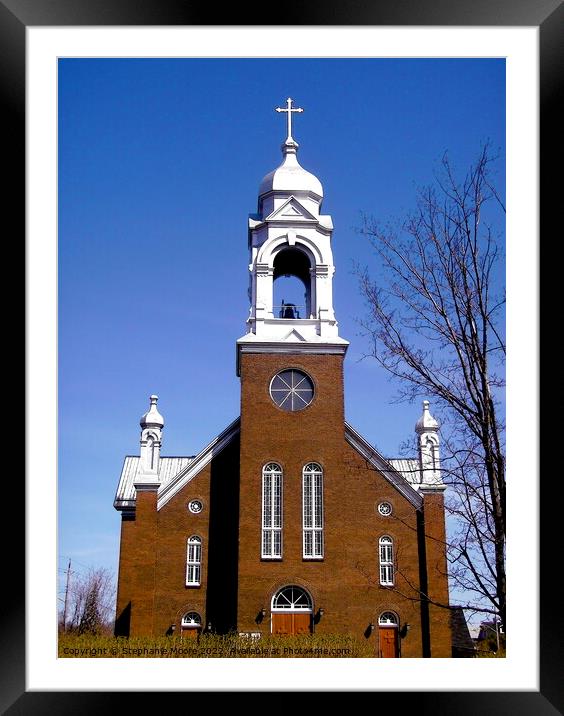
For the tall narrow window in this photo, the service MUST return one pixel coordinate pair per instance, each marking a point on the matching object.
(194, 561)
(271, 511)
(386, 546)
(313, 511)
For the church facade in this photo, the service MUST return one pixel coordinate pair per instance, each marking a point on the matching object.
(289, 521)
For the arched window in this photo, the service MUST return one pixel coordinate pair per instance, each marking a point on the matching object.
(292, 598)
(292, 284)
(271, 511)
(432, 450)
(387, 619)
(194, 561)
(386, 548)
(313, 511)
(292, 611)
(191, 620)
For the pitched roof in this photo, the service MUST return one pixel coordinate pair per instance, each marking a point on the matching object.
(168, 468)
(175, 472)
(461, 639)
(167, 492)
(409, 468)
(385, 467)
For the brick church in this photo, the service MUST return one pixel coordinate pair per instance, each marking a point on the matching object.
(289, 521)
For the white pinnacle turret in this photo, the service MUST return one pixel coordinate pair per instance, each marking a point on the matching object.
(152, 423)
(427, 429)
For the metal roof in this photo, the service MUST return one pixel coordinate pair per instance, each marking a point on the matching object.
(169, 467)
(408, 467)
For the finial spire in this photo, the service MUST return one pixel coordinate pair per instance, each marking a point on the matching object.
(289, 109)
(426, 421)
(152, 417)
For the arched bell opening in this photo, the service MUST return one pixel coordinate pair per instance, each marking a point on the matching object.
(292, 284)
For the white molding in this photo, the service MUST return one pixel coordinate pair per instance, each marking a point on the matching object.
(303, 215)
(428, 487)
(198, 463)
(250, 344)
(382, 465)
(141, 486)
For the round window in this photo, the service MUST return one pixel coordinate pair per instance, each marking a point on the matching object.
(291, 390)
(195, 506)
(385, 509)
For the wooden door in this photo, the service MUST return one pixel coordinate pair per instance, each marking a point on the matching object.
(388, 642)
(302, 623)
(291, 623)
(282, 623)
(189, 633)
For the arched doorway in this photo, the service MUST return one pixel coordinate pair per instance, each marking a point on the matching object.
(388, 638)
(292, 284)
(191, 625)
(292, 611)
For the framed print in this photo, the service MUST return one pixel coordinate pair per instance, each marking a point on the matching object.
(71, 50)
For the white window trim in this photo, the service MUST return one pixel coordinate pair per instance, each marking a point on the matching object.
(386, 564)
(191, 625)
(313, 530)
(272, 530)
(193, 540)
(286, 610)
(387, 624)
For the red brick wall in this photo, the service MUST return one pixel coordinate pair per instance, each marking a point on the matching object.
(164, 534)
(143, 568)
(236, 584)
(437, 582)
(346, 583)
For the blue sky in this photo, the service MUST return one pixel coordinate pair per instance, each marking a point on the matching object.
(159, 166)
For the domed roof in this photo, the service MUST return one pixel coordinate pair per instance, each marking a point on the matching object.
(426, 421)
(290, 176)
(152, 418)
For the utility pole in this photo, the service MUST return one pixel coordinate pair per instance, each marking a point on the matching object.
(66, 597)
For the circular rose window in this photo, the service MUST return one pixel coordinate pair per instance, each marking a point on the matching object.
(385, 509)
(291, 390)
(195, 506)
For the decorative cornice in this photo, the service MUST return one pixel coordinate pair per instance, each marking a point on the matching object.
(286, 348)
(383, 466)
(141, 485)
(430, 488)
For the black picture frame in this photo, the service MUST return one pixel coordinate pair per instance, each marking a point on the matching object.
(548, 16)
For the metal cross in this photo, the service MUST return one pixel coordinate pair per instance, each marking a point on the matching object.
(289, 111)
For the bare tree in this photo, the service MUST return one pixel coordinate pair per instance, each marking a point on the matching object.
(436, 324)
(91, 602)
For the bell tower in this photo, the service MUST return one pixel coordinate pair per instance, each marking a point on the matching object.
(290, 362)
(289, 237)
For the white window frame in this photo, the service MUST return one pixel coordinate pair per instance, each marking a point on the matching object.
(386, 561)
(312, 500)
(385, 621)
(194, 561)
(272, 514)
(277, 607)
(185, 624)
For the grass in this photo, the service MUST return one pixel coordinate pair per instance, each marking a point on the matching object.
(214, 646)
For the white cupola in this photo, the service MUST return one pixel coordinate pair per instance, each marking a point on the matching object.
(289, 238)
(427, 430)
(152, 423)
